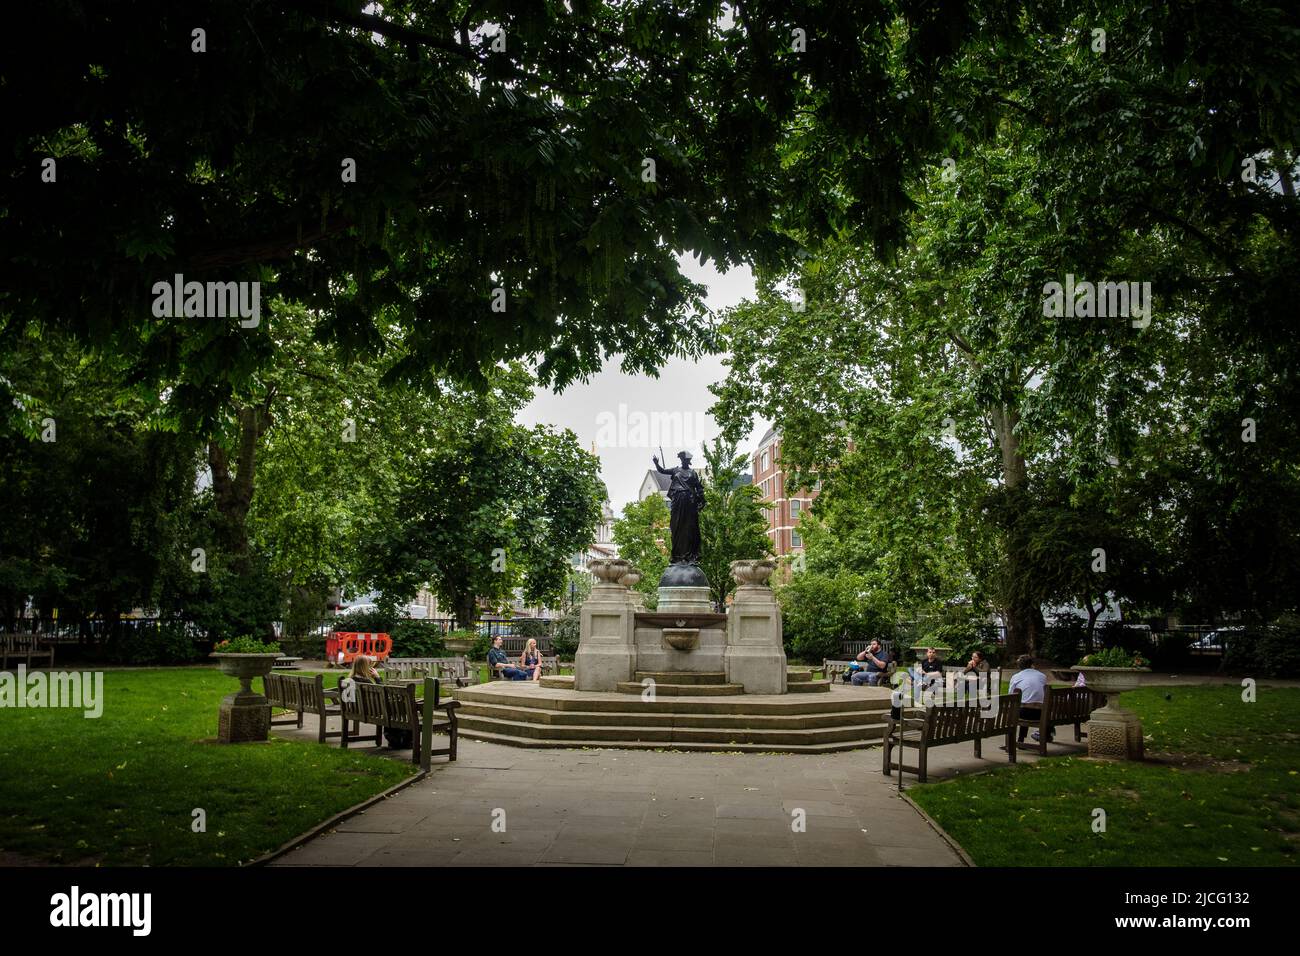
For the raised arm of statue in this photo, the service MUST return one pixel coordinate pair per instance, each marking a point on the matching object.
(662, 470)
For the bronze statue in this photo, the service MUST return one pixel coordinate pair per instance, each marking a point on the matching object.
(686, 500)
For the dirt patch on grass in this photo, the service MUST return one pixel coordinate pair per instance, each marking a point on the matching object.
(1198, 762)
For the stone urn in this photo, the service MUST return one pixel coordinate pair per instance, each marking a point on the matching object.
(1113, 731)
(611, 570)
(754, 573)
(459, 645)
(245, 715)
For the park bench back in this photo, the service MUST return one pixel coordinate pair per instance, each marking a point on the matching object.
(395, 706)
(27, 648)
(1063, 706)
(303, 694)
(455, 670)
(951, 724)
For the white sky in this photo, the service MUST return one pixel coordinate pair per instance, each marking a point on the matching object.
(628, 436)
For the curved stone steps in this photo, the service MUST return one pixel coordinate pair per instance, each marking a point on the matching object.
(863, 699)
(660, 719)
(812, 746)
(683, 677)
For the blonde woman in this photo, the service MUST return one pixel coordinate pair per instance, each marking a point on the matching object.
(363, 670)
(531, 660)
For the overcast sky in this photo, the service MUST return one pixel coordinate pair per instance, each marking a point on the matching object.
(629, 416)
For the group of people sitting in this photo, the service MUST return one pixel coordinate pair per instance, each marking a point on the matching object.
(871, 665)
(527, 667)
(1028, 679)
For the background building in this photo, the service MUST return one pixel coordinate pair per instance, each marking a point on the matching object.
(788, 505)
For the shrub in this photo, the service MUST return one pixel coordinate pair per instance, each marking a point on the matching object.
(417, 638)
(169, 642)
(532, 627)
(1114, 657)
(822, 610)
(564, 641)
(1172, 651)
(1062, 643)
(246, 644)
(1270, 651)
(311, 647)
(1135, 640)
(482, 643)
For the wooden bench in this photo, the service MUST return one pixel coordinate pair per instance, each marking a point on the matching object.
(396, 707)
(25, 648)
(949, 725)
(1061, 706)
(455, 670)
(550, 666)
(304, 695)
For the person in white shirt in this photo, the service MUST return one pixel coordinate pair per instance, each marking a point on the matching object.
(1032, 684)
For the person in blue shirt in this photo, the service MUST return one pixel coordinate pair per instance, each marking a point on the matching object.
(875, 664)
(500, 663)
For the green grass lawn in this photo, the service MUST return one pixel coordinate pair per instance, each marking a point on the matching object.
(1219, 789)
(121, 789)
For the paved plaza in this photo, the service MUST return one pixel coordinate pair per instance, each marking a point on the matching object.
(647, 808)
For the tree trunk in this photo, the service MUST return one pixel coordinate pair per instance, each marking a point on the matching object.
(233, 492)
(1024, 616)
(466, 610)
(1092, 620)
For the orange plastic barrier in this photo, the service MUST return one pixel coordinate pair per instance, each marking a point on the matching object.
(342, 647)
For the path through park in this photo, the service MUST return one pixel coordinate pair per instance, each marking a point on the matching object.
(620, 807)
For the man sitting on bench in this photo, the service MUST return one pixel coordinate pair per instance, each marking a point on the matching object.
(1032, 684)
(876, 662)
(500, 663)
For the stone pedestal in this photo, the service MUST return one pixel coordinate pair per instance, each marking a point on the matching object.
(1115, 732)
(244, 717)
(685, 600)
(606, 646)
(755, 653)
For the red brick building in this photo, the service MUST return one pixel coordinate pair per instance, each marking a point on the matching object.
(790, 503)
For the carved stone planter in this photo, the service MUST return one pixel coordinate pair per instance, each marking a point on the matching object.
(1113, 731)
(753, 572)
(610, 570)
(245, 715)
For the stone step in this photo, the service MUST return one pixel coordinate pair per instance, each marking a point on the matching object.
(808, 687)
(681, 690)
(683, 677)
(844, 700)
(503, 732)
(797, 677)
(647, 718)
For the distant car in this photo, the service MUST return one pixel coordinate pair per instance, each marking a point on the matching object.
(1217, 639)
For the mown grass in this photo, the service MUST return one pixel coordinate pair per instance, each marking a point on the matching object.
(121, 789)
(1219, 788)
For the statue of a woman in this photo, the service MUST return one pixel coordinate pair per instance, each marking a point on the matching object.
(686, 499)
